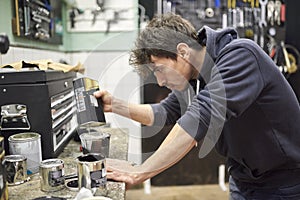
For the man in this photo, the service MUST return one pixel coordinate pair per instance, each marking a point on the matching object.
(246, 109)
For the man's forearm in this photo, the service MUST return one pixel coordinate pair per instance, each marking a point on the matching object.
(176, 145)
(138, 112)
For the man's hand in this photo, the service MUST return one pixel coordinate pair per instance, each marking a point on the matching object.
(124, 171)
(107, 99)
(176, 145)
(138, 112)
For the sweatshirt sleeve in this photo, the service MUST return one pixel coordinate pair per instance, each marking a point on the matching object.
(166, 112)
(234, 85)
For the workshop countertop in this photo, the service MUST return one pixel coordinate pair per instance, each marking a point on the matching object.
(114, 190)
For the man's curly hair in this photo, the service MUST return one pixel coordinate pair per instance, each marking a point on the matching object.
(160, 38)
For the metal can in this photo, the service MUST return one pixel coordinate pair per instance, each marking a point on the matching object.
(29, 145)
(16, 169)
(3, 182)
(91, 169)
(52, 175)
(94, 141)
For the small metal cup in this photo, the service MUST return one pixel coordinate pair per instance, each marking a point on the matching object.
(16, 169)
(29, 145)
(52, 175)
(95, 142)
(91, 169)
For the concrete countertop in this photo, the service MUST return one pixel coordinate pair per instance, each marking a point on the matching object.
(114, 190)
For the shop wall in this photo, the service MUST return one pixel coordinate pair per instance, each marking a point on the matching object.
(103, 54)
(7, 13)
(81, 38)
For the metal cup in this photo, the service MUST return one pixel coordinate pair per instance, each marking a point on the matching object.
(91, 169)
(95, 142)
(52, 175)
(16, 169)
(29, 145)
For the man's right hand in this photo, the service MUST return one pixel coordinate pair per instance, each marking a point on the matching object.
(107, 99)
(138, 112)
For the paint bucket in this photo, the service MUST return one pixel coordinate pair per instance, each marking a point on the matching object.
(15, 169)
(52, 175)
(29, 145)
(91, 169)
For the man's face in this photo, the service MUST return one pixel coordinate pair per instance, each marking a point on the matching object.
(172, 74)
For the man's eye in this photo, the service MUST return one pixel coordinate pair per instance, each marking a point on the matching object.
(158, 69)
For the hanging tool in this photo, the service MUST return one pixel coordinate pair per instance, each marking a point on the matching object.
(282, 13)
(209, 11)
(270, 12)
(263, 21)
(277, 8)
(287, 61)
(217, 3)
(4, 43)
(234, 13)
(229, 13)
(98, 10)
(272, 45)
(239, 17)
(256, 17)
(293, 67)
(290, 60)
(256, 3)
(262, 37)
(248, 16)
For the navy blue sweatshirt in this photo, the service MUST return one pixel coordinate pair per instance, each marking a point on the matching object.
(247, 110)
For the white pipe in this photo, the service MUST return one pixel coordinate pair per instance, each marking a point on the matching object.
(222, 178)
(159, 7)
(147, 186)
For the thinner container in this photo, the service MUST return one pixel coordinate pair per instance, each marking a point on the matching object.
(15, 169)
(91, 169)
(52, 175)
(29, 145)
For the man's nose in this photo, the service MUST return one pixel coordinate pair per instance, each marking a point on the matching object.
(161, 80)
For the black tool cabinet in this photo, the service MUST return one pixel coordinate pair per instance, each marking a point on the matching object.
(38, 101)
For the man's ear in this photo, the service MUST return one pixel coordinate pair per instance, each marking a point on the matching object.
(183, 50)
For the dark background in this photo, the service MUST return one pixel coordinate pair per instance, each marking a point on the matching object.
(191, 169)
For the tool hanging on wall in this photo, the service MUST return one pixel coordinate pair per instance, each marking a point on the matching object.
(99, 9)
(290, 60)
(274, 12)
(284, 55)
(262, 22)
(255, 19)
(209, 12)
(38, 20)
(4, 43)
